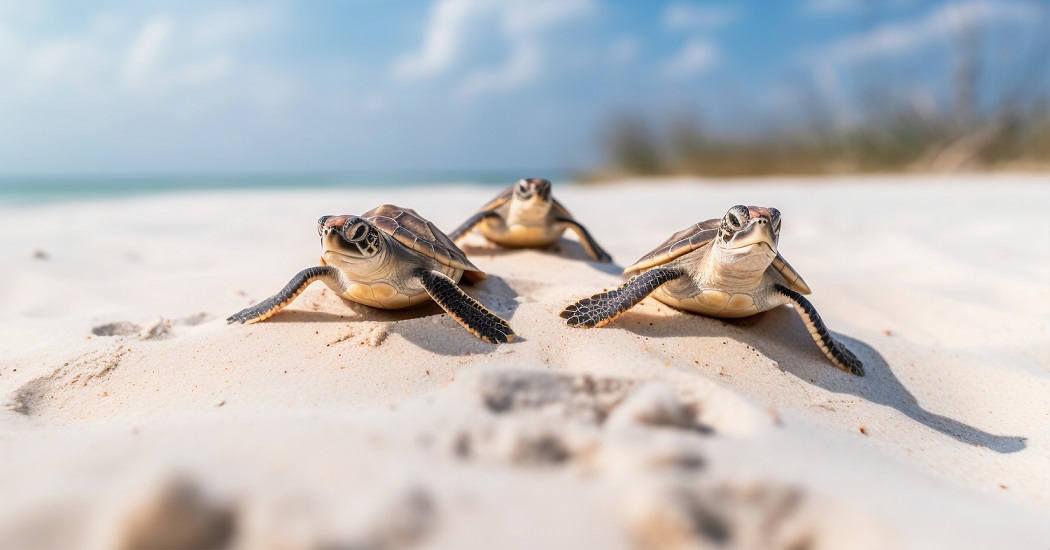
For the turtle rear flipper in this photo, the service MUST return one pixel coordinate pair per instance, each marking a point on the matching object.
(465, 310)
(601, 309)
(839, 354)
(295, 287)
(597, 252)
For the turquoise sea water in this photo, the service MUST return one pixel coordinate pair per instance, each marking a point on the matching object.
(17, 190)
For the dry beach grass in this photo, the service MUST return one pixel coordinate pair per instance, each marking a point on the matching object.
(135, 416)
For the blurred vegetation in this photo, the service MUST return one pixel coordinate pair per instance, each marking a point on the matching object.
(888, 130)
(899, 142)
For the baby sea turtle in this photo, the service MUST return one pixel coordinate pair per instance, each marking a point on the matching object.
(525, 215)
(719, 268)
(390, 258)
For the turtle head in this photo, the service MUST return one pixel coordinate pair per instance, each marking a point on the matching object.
(346, 239)
(533, 189)
(747, 237)
(531, 201)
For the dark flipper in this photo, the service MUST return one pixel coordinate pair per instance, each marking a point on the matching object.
(839, 354)
(596, 251)
(295, 287)
(465, 310)
(603, 308)
(471, 223)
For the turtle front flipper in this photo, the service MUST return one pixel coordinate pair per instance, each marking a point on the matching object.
(601, 309)
(470, 224)
(839, 354)
(295, 287)
(465, 310)
(597, 252)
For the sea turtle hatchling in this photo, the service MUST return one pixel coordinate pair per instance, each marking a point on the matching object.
(525, 215)
(719, 268)
(390, 258)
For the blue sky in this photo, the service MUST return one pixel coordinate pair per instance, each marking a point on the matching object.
(370, 85)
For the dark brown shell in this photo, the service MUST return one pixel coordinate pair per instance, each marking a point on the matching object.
(686, 240)
(415, 232)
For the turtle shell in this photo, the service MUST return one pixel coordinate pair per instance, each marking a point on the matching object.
(415, 232)
(686, 240)
(698, 236)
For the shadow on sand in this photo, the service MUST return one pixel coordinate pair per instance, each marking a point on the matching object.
(774, 331)
(565, 248)
(494, 293)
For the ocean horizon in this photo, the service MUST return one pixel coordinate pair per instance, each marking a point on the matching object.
(35, 189)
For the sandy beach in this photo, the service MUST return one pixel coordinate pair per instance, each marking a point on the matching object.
(132, 415)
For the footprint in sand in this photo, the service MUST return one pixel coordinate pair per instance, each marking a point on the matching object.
(80, 371)
(648, 438)
(544, 419)
(92, 366)
(169, 511)
(156, 328)
(668, 516)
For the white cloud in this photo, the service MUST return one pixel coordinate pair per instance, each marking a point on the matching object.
(231, 23)
(905, 37)
(682, 16)
(51, 59)
(111, 56)
(196, 86)
(442, 40)
(522, 66)
(452, 32)
(697, 56)
(33, 69)
(145, 51)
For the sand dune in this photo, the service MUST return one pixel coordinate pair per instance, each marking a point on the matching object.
(134, 415)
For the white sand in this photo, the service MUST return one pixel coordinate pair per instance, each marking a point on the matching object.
(338, 426)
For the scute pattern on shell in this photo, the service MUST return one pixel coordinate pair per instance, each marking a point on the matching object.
(415, 232)
(686, 240)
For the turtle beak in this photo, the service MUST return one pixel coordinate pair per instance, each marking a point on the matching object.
(759, 231)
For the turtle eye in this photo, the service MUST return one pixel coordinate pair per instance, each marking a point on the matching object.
(356, 232)
(736, 218)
